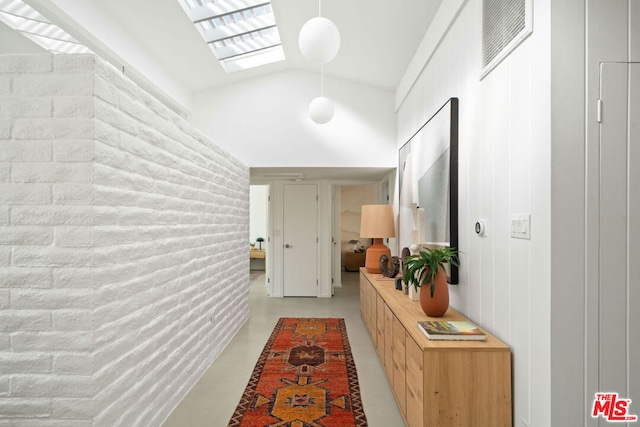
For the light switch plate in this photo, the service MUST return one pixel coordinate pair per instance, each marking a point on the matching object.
(521, 226)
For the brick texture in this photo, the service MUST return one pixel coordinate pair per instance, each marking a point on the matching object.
(123, 231)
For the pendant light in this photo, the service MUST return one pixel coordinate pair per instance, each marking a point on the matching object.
(319, 39)
(321, 108)
(319, 42)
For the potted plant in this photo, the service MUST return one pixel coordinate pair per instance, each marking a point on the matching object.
(427, 268)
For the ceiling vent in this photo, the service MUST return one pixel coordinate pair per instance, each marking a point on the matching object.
(505, 24)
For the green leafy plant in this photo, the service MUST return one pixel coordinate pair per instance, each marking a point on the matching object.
(422, 268)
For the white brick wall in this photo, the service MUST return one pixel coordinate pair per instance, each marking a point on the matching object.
(123, 267)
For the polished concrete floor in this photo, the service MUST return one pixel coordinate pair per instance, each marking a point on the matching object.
(213, 399)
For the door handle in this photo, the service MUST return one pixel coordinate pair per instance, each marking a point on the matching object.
(288, 246)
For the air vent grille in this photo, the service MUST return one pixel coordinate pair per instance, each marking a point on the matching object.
(505, 23)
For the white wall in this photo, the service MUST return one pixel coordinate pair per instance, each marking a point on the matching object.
(568, 50)
(123, 247)
(264, 122)
(504, 168)
(12, 41)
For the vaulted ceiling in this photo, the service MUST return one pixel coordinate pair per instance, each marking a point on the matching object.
(379, 37)
(378, 40)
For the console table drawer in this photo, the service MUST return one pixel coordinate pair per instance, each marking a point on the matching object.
(415, 384)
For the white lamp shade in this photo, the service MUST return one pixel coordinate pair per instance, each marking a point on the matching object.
(319, 40)
(321, 110)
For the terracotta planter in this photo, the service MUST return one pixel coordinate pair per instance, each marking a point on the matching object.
(438, 305)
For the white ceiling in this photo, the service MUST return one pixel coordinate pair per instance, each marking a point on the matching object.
(379, 38)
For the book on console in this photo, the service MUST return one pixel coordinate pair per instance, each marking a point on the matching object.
(382, 277)
(450, 330)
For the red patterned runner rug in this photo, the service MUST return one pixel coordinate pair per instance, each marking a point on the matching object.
(305, 377)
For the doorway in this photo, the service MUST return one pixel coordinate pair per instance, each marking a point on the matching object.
(348, 248)
(349, 201)
(259, 227)
(300, 240)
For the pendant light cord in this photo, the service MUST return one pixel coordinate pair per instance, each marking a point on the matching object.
(322, 65)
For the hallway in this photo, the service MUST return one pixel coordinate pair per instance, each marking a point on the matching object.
(213, 398)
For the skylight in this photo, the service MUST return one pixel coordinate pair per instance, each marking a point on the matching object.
(30, 23)
(241, 34)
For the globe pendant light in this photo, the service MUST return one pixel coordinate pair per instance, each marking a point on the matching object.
(319, 39)
(321, 108)
(319, 42)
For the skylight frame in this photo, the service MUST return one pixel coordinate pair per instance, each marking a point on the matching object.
(242, 34)
(24, 19)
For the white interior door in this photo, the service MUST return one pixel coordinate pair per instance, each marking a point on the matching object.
(300, 240)
(617, 316)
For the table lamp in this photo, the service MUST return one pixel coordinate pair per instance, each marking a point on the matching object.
(377, 223)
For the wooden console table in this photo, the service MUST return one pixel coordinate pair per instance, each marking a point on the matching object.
(435, 383)
(257, 254)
